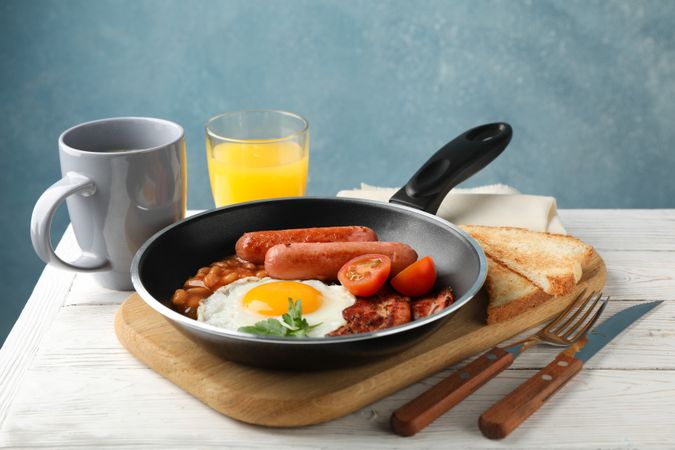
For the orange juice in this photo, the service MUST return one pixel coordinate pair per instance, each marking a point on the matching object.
(255, 170)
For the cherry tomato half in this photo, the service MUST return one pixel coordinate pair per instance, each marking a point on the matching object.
(365, 274)
(416, 279)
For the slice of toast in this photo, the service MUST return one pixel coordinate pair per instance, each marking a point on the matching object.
(510, 294)
(553, 262)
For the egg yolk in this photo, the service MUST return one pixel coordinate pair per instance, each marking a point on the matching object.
(271, 299)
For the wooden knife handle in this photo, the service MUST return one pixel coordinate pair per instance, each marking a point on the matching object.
(508, 413)
(421, 411)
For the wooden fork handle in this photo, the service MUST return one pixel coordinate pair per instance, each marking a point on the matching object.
(421, 411)
(508, 413)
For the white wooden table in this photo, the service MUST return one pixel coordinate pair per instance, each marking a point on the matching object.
(65, 381)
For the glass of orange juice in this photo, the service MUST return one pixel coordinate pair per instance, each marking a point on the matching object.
(257, 154)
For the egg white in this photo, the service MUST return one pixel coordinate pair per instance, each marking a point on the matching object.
(224, 308)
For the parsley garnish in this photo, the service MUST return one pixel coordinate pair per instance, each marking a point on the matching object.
(293, 324)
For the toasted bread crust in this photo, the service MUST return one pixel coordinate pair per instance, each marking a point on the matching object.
(526, 268)
(503, 313)
(561, 285)
(587, 253)
(502, 283)
(551, 261)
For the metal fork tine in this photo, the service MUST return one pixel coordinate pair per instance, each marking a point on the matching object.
(592, 321)
(562, 315)
(576, 313)
(576, 325)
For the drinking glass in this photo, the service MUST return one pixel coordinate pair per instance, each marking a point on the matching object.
(257, 154)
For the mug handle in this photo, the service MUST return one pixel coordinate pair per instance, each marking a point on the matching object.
(41, 223)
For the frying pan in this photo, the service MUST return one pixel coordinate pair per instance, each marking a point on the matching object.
(175, 253)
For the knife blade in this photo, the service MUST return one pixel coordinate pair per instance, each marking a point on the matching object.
(601, 335)
(508, 413)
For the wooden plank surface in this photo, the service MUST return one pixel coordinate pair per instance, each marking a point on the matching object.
(21, 345)
(622, 229)
(111, 411)
(85, 336)
(270, 398)
(77, 387)
(86, 390)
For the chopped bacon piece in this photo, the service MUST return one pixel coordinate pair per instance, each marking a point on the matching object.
(431, 304)
(385, 309)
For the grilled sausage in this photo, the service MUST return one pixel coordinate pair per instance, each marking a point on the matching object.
(322, 261)
(253, 246)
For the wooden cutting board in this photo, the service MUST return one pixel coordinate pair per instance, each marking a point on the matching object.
(283, 399)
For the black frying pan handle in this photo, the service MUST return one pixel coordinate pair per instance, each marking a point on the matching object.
(453, 163)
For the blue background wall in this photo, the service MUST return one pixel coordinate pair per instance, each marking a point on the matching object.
(588, 86)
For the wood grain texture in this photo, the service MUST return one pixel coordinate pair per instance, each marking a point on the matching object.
(73, 386)
(83, 389)
(637, 275)
(84, 337)
(415, 415)
(20, 347)
(270, 398)
(622, 229)
(508, 413)
(123, 404)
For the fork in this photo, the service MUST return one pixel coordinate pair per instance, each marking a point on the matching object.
(564, 330)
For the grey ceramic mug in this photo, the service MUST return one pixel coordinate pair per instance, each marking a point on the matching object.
(123, 180)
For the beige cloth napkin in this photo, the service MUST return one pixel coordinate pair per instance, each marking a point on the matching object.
(494, 205)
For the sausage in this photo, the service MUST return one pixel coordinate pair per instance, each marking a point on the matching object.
(253, 246)
(322, 261)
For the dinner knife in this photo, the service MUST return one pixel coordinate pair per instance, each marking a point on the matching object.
(508, 413)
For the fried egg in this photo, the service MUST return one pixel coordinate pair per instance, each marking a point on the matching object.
(250, 300)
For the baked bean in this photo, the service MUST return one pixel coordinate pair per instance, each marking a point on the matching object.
(208, 279)
(179, 297)
(194, 282)
(215, 271)
(211, 280)
(195, 295)
(230, 277)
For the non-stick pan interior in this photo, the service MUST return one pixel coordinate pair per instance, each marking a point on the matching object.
(179, 252)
